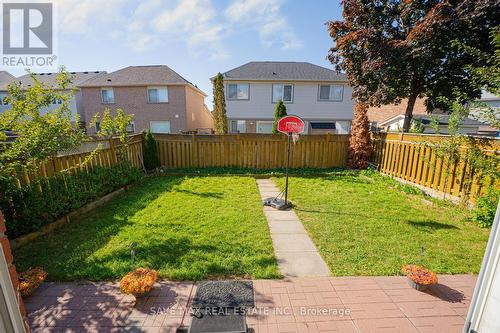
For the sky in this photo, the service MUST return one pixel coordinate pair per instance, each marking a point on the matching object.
(196, 38)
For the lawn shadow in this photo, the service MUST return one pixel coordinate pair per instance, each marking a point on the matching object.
(216, 195)
(92, 231)
(333, 212)
(430, 225)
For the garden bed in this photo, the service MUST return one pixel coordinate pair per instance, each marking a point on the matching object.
(185, 228)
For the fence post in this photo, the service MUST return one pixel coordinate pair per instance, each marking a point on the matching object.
(193, 160)
(113, 151)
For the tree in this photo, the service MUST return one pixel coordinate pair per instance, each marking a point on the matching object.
(151, 158)
(359, 141)
(392, 50)
(40, 132)
(279, 112)
(220, 118)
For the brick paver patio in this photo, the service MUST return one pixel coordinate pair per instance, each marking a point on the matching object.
(350, 304)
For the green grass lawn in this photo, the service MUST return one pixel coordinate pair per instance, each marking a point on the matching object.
(366, 224)
(186, 228)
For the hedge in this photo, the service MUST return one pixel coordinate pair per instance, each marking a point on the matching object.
(27, 209)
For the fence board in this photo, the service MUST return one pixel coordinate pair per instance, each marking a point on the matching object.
(258, 151)
(411, 157)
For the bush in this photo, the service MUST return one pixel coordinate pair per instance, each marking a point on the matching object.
(139, 281)
(27, 209)
(151, 158)
(486, 207)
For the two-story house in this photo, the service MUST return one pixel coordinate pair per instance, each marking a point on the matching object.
(318, 95)
(158, 97)
(49, 80)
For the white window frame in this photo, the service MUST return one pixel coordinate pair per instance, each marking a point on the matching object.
(265, 122)
(3, 95)
(160, 121)
(330, 99)
(274, 101)
(237, 84)
(132, 123)
(236, 121)
(157, 88)
(102, 96)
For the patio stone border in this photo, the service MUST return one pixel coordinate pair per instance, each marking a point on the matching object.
(46, 229)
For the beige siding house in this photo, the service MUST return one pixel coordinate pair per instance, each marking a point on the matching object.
(158, 97)
(49, 79)
(318, 95)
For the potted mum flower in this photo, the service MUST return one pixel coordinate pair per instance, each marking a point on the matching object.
(138, 282)
(419, 277)
(30, 280)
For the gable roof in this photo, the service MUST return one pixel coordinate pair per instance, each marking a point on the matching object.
(283, 71)
(49, 79)
(5, 79)
(137, 76)
(427, 119)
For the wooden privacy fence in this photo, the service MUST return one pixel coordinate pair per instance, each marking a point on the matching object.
(412, 158)
(104, 157)
(259, 151)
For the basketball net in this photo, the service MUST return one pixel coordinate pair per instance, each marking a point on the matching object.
(295, 137)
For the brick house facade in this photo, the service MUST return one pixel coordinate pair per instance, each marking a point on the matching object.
(182, 110)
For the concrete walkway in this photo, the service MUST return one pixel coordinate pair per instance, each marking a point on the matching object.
(297, 256)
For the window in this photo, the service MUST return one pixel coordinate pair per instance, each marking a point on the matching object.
(130, 128)
(107, 95)
(283, 92)
(323, 126)
(237, 91)
(3, 99)
(56, 101)
(158, 95)
(160, 127)
(238, 126)
(265, 127)
(331, 92)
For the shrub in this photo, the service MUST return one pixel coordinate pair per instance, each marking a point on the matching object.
(151, 158)
(486, 207)
(420, 275)
(30, 280)
(28, 208)
(138, 281)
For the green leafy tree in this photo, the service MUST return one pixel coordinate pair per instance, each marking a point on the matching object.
(151, 158)
(279, 112)
(41, 132)
(392, 50)
(220, 117)
(114, 126)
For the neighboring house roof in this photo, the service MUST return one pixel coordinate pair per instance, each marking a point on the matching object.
(283, 71)
(427, 120)
(5, 79)
(49, 79)
(487, 96)
(139, 76)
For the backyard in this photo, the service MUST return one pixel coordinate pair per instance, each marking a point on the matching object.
(186, 228)
(192, 228)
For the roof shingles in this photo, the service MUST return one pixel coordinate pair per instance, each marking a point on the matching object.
(137, 76)
(283, 71)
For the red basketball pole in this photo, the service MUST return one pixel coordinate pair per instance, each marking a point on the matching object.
(287, 167)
